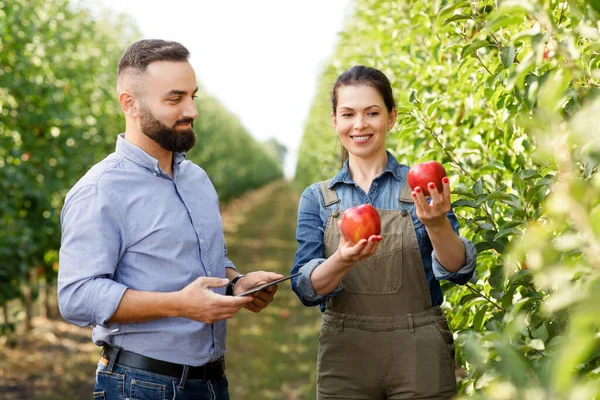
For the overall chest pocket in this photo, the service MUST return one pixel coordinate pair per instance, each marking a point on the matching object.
(382, 272)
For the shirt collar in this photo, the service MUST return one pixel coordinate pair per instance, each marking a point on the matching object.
(392, 167)
(139, 156)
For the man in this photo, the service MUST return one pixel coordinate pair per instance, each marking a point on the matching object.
(143, 256)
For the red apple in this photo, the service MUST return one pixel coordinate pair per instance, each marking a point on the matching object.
(421, 174)
(360, 222)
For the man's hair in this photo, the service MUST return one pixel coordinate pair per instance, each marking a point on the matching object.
(143, 52)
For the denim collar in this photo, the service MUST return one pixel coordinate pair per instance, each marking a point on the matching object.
(139, 156)
(344, 176)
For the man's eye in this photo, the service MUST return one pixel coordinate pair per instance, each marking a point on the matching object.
(174, 100)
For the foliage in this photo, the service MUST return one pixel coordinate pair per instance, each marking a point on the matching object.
(503, 95)
(55, 90)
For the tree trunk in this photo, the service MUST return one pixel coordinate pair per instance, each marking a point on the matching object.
(43, 299)
(5, 313)
(28, 304)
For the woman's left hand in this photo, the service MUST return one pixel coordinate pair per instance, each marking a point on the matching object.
(433, 214)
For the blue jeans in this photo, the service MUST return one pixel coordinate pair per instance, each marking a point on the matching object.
(131, 383)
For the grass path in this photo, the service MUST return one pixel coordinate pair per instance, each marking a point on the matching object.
(271, 355)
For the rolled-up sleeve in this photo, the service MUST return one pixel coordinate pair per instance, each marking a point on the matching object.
(311, 250)
(93, 240)
(465, 273)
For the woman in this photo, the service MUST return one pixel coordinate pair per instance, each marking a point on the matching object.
(383, 334)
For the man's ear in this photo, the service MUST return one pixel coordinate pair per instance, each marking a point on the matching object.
(128, 104)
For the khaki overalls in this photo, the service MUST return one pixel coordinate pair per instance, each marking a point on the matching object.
(380, 337)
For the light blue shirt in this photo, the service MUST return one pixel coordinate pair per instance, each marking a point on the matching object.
(127, 224)
(383, 194)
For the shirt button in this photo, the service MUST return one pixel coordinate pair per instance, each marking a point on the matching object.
(374, 183)
(201, 241)
(155, 174)
(209, 273)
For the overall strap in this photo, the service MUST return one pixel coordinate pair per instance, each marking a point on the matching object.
(329, 195)
(406, 195)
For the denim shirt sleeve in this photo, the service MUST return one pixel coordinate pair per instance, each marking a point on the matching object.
(463, 275)
(93, 240)
(311, 250)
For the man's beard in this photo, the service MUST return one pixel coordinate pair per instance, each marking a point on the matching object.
(171, 139)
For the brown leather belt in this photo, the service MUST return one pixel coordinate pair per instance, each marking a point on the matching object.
(207, 372)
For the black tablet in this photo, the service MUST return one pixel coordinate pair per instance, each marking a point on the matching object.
(266, 285)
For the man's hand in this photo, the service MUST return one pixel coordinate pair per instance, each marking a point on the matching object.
(200, 303)
(262, 298)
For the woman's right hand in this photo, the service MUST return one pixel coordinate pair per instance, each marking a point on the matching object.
(350, 252)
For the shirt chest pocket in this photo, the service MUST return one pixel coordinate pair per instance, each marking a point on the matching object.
(382, 272)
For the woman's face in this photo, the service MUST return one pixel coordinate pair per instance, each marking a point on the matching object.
(362, 120)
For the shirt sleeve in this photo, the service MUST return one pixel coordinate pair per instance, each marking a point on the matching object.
(93, 241)
(311, 250)
(463, 275)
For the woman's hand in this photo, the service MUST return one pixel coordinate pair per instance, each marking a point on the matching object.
(433, 214)
(350, 252)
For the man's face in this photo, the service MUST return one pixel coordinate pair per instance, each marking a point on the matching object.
(167, 111)
(169, 138)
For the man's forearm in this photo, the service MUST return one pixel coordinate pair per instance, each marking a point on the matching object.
(138, 306)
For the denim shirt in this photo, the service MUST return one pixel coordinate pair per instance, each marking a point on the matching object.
(383, 194)
(128, 224)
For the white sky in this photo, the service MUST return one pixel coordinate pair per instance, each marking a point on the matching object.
(260, 58)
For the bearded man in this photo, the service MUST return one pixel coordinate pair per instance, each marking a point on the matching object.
(143, 257)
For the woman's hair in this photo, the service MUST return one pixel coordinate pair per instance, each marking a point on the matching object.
(362, 75)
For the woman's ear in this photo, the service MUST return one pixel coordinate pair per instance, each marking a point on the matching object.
(392, 119)
(333, 121)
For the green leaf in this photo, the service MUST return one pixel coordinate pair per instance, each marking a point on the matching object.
(471, 48)
(479, 318)
(499, 196)
(478, 187)
(464, 203)
(457, 17)
(451, 7)
(508, 232)
(483, 246)
(507, 56)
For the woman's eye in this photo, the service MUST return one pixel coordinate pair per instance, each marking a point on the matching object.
(374, 113)
(346, 115)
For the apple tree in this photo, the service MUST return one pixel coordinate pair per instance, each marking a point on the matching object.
(501, 93)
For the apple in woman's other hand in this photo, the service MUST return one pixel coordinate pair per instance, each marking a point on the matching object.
(422, 174)
(360, 223)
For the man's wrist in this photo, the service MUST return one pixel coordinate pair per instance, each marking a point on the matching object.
(231, 285)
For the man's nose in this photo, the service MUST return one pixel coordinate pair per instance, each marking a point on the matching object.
(191, 111)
